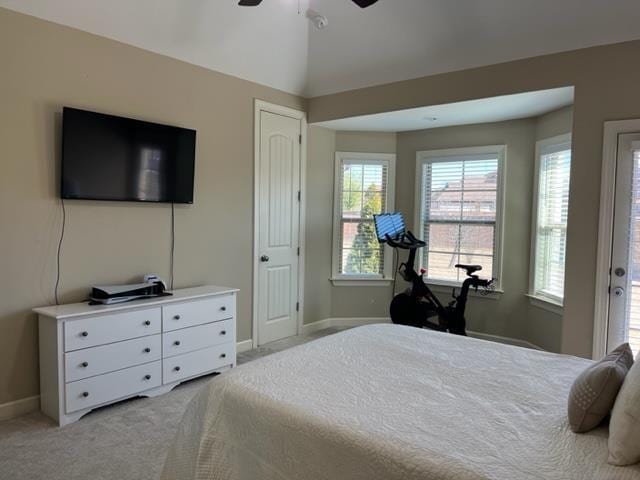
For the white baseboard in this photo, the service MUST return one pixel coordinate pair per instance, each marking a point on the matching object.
(19, 407)
(508, 340)
(315, 326)
(244, 346)
(342, 322)
(355, 322)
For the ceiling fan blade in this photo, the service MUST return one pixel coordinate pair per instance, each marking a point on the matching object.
(364, 3)
(249, 3)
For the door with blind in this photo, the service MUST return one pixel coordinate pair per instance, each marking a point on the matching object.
(624, 291)
(278, 226)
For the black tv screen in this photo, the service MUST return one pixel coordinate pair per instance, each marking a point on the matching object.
(113, 158)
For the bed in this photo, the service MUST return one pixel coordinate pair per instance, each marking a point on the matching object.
(387, 402)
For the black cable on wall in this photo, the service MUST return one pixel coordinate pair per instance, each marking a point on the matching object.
(64, 222)
(173, 240)
(61, 239)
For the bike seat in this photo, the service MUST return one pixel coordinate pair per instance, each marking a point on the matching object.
(469, 268)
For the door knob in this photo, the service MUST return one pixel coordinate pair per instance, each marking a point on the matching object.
(618, 291)
(264, 258)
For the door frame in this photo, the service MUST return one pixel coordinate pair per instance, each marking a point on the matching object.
(612, 130)
(259, 107)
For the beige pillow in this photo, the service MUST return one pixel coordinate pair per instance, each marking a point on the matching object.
(595, 390)
(624, 429)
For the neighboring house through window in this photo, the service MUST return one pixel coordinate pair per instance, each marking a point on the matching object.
(549, 229)
(363, 187)
(458, 211)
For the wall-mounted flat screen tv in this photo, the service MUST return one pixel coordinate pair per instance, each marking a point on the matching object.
(105, 157)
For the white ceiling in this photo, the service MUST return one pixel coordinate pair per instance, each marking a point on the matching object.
(401, 39)
(267, 45)
(391, 40)
(496, 109)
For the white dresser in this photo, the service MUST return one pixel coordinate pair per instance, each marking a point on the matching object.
(95, 355)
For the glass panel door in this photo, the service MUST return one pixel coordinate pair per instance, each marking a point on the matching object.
(624, 294)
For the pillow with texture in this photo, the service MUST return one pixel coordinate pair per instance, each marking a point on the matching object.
(594, 392)
(624, 429)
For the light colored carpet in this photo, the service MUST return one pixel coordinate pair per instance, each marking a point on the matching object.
(119, 442)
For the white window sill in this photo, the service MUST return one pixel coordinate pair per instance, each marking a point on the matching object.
(445, 287)
(546, 304)
(360, 282)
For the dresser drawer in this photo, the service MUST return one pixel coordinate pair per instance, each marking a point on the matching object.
(108, 358)
(194, 338)
(103, 329)
(198, 312)
(191, 364)
(105, 388)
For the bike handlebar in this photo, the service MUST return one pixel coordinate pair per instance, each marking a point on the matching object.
(407, 242)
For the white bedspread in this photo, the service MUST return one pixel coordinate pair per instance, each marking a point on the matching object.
(387, 402)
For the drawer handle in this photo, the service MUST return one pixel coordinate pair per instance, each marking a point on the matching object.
(176, 317)
(147, 323)
(223, 355)
(176, 343)
(147, 350)
(85, 334)
(147, 377)
(85, 394)
(85, 364)
(223, 332)
(223, 308)
(177, 369)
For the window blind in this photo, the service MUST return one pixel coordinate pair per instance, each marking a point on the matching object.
(633, 269)
(363, 193)
(459, 213)
(551, 228)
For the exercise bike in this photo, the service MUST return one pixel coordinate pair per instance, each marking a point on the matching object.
(418, 306)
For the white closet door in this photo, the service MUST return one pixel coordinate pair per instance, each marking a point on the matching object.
(279, 226)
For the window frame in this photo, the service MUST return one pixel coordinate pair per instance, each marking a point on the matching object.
(359, 158)
(544, 147)
(457, 154)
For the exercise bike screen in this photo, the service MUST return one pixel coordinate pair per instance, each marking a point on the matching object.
(391, 224)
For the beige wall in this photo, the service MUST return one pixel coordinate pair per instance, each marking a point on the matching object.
(505, 314)
(509, 314)
(322, 299)
(321, 144)
(366, 142)
(554, 123)
(45, 66)
(361, 301)
(606, 80)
